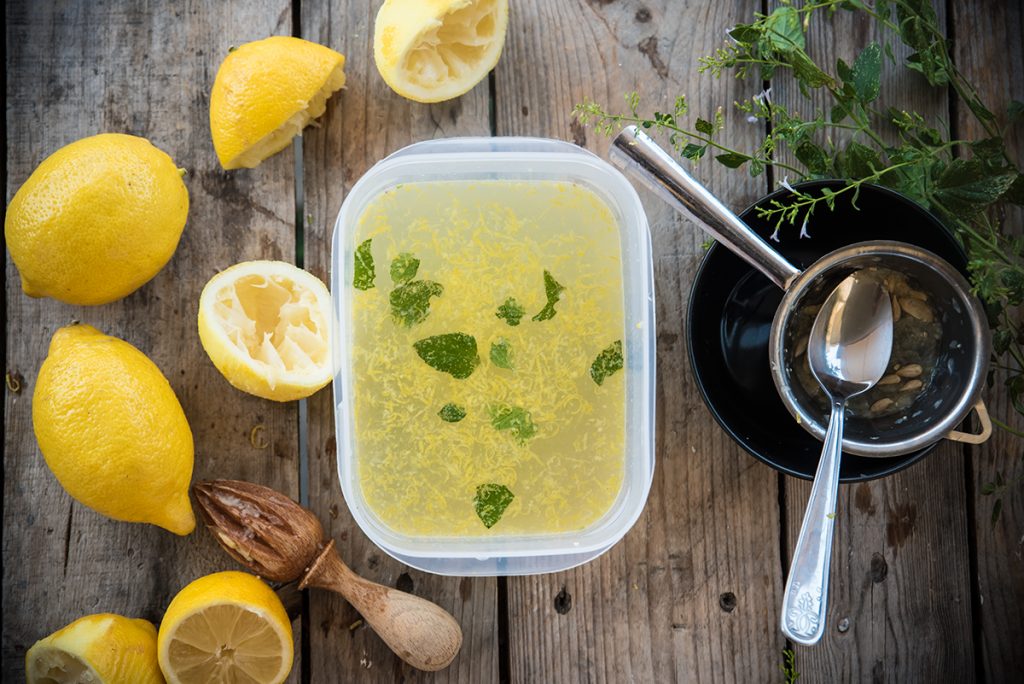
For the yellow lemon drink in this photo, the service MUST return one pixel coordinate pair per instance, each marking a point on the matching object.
(486, 333)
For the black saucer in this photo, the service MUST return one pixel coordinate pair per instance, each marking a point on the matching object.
(731, 311)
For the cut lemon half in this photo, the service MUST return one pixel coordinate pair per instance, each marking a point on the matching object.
(101, 649)
(266, 327)
(225, 627)
(266, 92)
(434, 50)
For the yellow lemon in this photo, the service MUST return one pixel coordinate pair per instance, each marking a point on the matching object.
(112, 431)
(103, 649)
(266, 327)
(266, 92)
(434, 50)
(225, 627)
(96, 220)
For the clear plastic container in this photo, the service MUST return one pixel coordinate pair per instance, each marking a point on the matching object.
(509, 159)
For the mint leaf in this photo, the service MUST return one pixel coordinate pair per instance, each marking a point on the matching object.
(704, 126)
(860, 161)
(967, 186)
(404, 267)
(410, 303)
(813, 157)
(511, 311)
(490, 502)
(452, 353)
(452, 413)
(553, 289)
(364, 274)
(501, 354)
(694, 152)
(607, 362)
(867, 71)
(514, 419)
(732, 160)
(782, 27)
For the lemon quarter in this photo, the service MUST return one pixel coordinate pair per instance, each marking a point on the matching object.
(266, 92)
(435, 50)
(103, 649)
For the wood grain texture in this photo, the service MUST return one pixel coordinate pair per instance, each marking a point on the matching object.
(691, 593)
(900, 602)
(76, 69)
(363, 124)
(995, 66)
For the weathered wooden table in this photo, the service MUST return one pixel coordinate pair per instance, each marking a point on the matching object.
(925, 587)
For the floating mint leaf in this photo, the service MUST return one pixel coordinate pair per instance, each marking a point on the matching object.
(404, 267)
(553, 289)
(452, 413)
(364, 273)
(452, 353)
(501, 354)
(410, 303)
(514, 419)
(607, 362)
(512, 311)
(490, 502)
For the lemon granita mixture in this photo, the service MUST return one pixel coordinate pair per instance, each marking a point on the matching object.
(487, 320)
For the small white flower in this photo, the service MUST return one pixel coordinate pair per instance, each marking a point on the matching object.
(764, 96)
(751, 119)
(775, 235)
(803, 228)
(785, 183)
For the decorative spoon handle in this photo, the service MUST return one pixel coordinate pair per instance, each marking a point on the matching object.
(805, 601)
(419, 632)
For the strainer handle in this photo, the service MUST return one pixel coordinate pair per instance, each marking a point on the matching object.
(971, 437)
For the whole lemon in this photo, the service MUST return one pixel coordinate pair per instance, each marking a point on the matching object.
(112, 430)
(96, 220)
(103, 648)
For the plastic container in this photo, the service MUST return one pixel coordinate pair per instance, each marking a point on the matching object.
(509, 159)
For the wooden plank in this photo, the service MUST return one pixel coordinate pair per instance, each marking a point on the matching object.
(899, 607)
(76, 69)
(657, 606)
(363, 124)
(1000, 571)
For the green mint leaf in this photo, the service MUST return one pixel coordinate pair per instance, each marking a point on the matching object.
(967, 186)
(807, 72)
(860, 161)
(732, 160)
(452, 413)
(783, 30)
(844, 71)
(452, 353)
(813, 157)
(553, 289)
(745, 33)
(838, 113)
(705, 127)
(404, 267)
(511, 311)
(867, 71)
(501, 354)
(694, 152)
(514, 419)
(607, 362)
(410, 303)
(364, 273)
(490, 502)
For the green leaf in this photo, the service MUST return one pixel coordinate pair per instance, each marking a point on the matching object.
(813, 157)
(967, 186)
(364, 274)
(704, 126)
(807, 72)
(838, 113)
(511, 311)
(782, 28)
(694, 152)
(501, 354)
(844, 71)
(514, 419)
(452, 413)
(860, 161)
(732, 160)
(452, 353)
(745, 33)
(553, 290)
(1015, 110)
(1015, 193)
(404, 267)
(607, 362)
(410, 303)
(867, 71)
(490, 502)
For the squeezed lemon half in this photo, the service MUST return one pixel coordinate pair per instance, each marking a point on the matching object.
(266, 327)
(435, 50)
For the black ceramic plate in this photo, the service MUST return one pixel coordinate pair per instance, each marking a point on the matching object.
(731, 312)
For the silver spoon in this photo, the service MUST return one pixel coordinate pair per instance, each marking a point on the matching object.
(848, 352)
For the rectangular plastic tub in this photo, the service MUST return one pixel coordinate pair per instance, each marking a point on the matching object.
(519, 159)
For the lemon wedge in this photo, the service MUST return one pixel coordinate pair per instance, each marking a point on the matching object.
(103, 649)
(225, 627)
(266, 327)
(434, 50)
(266, 92)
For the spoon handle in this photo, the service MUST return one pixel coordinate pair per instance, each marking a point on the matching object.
(421, 633)
(805, 601)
